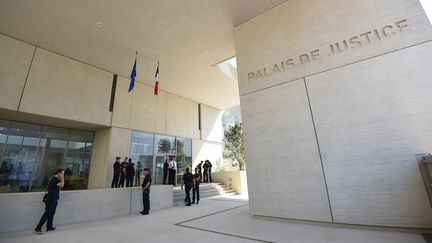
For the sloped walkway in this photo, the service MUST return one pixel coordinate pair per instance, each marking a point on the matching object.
(213, 220)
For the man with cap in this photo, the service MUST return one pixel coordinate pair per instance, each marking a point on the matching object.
(146, 192)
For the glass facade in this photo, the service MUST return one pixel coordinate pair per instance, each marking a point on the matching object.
(142, 149)
(30, 154)
(153, 149)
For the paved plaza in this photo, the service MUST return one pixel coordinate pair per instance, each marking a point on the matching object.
(213, 220)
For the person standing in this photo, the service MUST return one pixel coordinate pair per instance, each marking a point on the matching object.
(123, 171)
(53, 195)
(138, 173)
(130, 173)
(116, 173)
(195, 190)
(188, 182)
(205, 168)
(146, 192)
(172, 171)
(209, 170)
(200, 169)
(165, 171)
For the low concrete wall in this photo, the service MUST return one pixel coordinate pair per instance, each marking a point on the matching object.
(238, 180)
(22, 211)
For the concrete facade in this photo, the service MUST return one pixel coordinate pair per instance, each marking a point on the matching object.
(40, 86)
(335, 106)
(23, 210)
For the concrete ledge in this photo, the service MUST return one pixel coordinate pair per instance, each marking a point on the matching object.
(22, 211)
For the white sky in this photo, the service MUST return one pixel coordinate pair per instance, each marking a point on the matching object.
(427, 5)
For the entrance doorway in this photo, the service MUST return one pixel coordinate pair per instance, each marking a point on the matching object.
(159, 161)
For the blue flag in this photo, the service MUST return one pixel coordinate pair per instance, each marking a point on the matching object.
(132, 77)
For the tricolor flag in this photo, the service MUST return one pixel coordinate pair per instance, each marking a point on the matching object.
(132, 77)
(156, 88)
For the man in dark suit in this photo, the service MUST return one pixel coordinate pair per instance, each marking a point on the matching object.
(53, 195)
(165, 171)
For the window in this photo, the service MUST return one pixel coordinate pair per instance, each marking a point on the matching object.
(142, 149)
(30, 154)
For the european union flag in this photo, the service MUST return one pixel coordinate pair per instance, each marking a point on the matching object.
(132, 77)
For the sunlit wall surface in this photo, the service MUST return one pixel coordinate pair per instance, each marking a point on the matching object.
(427, 7)
(30, 154)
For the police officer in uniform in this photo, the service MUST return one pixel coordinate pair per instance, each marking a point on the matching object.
(130, 173)
(195, 190)
(116, 175)
(165, 171)
(188, 182)
(146, 192)
(122, 172)
(205, 169)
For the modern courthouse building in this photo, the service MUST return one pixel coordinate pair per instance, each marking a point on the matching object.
(335, 97)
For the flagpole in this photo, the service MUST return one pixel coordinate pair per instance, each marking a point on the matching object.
(130, 109)
(155, 117)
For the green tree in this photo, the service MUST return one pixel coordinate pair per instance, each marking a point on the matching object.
(180, 146)
(164, 145)
(234, 149)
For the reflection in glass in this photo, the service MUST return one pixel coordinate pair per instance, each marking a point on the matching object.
(4, 166)
(77, 162)
(142, 149)
(20, 155)
(30, 154)
(165, 144)
(184, 156)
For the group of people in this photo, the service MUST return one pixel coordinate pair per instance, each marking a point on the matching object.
(126, 171)
(191, 182)
(52, 195)
(170, 171)
(204, 169)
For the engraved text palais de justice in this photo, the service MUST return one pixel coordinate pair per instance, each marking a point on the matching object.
(333, 49)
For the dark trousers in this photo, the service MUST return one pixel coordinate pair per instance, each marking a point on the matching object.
(122, 179)
(205, 177)
(195, 191)
(172, 177)
(165, 175)
(209, 176)
(129, 181)
(115, 181)
(50, 209)
(146, 201)
(188, 188)
(138, 179)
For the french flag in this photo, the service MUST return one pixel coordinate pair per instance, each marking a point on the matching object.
(156, 88)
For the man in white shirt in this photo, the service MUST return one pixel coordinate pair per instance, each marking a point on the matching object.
(172, 165)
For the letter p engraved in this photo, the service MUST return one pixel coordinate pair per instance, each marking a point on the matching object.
(251, 75)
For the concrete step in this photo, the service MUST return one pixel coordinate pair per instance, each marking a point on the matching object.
(207, 190)
(180, 201)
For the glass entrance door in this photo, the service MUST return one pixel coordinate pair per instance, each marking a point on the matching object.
(159, 161)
